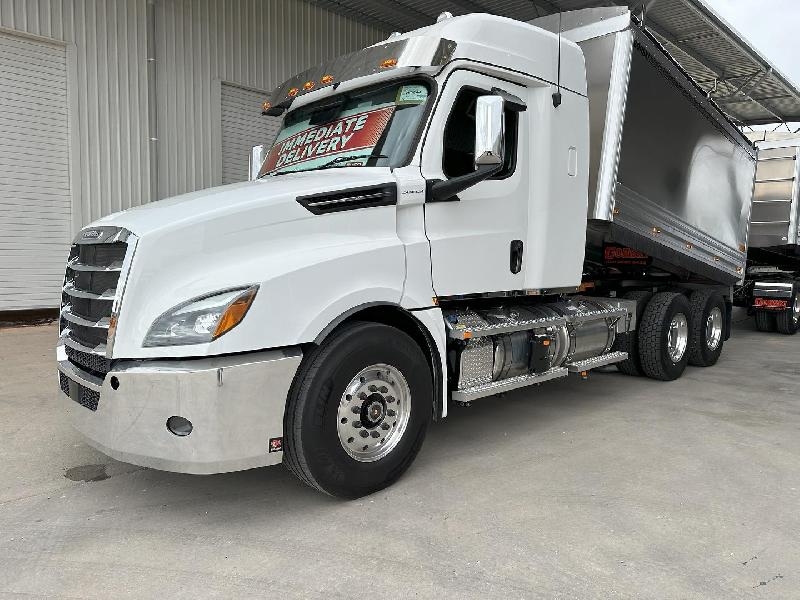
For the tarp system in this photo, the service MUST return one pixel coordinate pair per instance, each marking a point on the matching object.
(737, 77)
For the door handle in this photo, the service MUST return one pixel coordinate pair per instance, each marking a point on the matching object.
(516, 256)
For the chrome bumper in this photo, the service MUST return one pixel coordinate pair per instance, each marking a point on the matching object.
(235, 404)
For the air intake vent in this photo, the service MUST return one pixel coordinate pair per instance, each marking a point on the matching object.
(365, 197)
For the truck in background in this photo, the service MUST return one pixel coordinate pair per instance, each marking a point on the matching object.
(442, 218)
(771, 289)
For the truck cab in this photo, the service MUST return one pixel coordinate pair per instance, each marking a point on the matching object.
(414, 238)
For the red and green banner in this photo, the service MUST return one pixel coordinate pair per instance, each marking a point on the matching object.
(350, 134)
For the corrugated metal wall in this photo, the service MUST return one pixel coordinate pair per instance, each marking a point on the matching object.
(107, 82)
(255, 43)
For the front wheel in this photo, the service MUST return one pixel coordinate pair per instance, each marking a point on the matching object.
(358, 411)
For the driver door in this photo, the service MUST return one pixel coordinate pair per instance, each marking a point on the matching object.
(476, 238)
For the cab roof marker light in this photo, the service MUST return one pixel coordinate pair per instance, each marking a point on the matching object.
(388, 63)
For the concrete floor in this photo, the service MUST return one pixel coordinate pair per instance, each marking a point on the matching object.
(613, 488)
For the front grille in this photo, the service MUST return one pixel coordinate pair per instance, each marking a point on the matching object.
(79, 393)
(90, 286)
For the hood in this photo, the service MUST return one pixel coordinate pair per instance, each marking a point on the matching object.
(309, 267)
(266, 201)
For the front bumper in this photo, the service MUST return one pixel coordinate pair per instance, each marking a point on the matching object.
(235, 404)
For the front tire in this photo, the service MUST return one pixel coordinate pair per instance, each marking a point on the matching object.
(664, 336)
(367, 378)
(708, 328)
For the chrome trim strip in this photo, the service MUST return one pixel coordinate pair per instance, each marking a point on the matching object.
(71, 290)
(122, 282)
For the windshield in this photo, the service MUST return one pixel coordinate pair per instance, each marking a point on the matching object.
(373, 128)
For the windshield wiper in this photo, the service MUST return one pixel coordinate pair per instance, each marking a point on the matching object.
(336, 162)
(341, 159)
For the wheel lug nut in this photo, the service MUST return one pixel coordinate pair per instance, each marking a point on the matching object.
(383, 389)
(385, 426)
(375, 434)
(390, 412)
(356, 409)
(362, 396)
(356, 424)
(373, 388)
(364, 433)
(390, 399)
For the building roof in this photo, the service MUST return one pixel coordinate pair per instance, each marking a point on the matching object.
(742, 82)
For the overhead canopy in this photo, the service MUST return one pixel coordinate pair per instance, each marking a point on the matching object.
(742, 82)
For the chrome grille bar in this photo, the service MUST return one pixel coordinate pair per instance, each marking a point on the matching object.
(71, 290)
(76, 265)
(69, 316)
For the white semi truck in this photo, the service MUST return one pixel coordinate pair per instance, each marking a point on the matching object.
(463, 210)
(771, 290)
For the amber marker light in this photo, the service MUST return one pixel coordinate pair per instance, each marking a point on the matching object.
(293, 92)
(308, 85)
(266, 106)
(234, 314)
(388, 63)
(326, 79)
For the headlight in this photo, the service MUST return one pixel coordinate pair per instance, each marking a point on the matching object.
(201, 320)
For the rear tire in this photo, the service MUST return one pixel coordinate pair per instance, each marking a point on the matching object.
(708, 328)
(367, 378)
(630, 343)
(664, 336)
(788, 321)
(765, 321)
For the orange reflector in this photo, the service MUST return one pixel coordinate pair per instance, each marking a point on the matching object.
(545, 342)
(388, 63)
(293, 91)
(326, 79)
(266, 106)
(308, 85)
(234, 314)
(467, 335)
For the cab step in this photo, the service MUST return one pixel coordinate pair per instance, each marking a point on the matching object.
(596, 361)
(505, 385)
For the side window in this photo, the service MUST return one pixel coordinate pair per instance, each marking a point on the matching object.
(458, 153)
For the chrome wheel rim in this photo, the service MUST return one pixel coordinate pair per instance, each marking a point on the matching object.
(678, 337)
(714, 328)
(373, 412)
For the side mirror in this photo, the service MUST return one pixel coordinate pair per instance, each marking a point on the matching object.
(489, 134)
(489, 131)
(258, 155)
